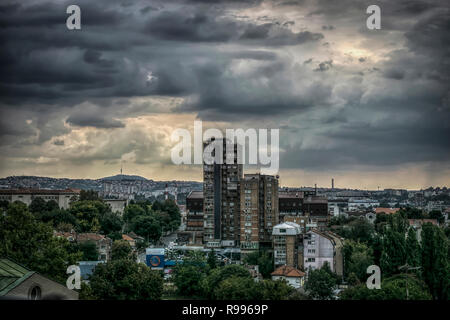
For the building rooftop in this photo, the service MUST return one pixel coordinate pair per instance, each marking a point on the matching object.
(290, 228)
(288, 271)
(313, 199)
(90, 236)
(386, 210)
(11, 275)
(290, 194)
(39, 191)
(195, 195)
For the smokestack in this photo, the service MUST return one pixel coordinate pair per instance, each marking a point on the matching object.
(315, 189)
(332, 183)
(166, 193)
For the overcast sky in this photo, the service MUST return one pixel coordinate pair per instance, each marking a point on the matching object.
(367, 107)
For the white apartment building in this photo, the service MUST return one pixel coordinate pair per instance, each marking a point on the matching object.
(320, 247)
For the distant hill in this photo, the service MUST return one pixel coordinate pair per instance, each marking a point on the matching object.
(124, 177)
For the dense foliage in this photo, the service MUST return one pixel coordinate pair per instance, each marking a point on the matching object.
(123, 280)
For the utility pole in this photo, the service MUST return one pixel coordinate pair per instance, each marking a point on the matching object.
(407, 268)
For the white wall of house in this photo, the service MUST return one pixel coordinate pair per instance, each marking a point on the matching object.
(296, 282)
(317, 250)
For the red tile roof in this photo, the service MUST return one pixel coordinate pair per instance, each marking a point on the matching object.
(386, 210)
(90, 236)
(38, 191)
(288, 271)
(127, 238)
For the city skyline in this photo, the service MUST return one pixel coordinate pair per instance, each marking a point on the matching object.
(369, 108)
(248, 172)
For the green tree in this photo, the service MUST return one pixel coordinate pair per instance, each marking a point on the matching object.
(412, 249)
(121, 250)
(393, 253)
(37, 205)
(31, 243)
(358, 256)
(125, 280)
(147, 227)
(111, 222)
(133, 211)
(212, 259)
(263, 260)
(276, 290)
(238, 288)
(392, 288)
(435, 264)
(217, 275)
(436, 214)
(321, 283)
(188, 280)
(89, 250)
(88, 214)
(51, 205)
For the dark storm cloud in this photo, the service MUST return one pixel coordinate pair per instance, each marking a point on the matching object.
(273, 35)
(196, 27)
(233, 67)
(93, 120)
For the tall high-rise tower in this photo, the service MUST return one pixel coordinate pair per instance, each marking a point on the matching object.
(221, 198)
(259, 211)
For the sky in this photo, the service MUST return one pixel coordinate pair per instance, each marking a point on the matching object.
(369, 108)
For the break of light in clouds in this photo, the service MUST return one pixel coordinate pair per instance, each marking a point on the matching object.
(367, 107)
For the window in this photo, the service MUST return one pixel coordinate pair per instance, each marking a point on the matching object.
(35, 293)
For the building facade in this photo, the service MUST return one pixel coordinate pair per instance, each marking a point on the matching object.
(221, 196)
(259, 211)
(62, 197)
(194, 218)
(18, 282)
(320, 247)
(287, 245)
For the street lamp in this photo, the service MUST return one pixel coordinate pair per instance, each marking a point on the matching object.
(407, 268)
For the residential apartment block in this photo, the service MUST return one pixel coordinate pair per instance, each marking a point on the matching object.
(288, 245)
(259, 211)
(221, 198)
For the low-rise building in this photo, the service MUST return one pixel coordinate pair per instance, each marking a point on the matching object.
(380, 210)
(18, 282)
(317, 209)
(117, 205)
(61, 197)
(103, 243)
(290, 203)
(293, 276)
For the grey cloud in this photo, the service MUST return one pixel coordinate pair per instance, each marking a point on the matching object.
(93, 116)
(324, 66)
